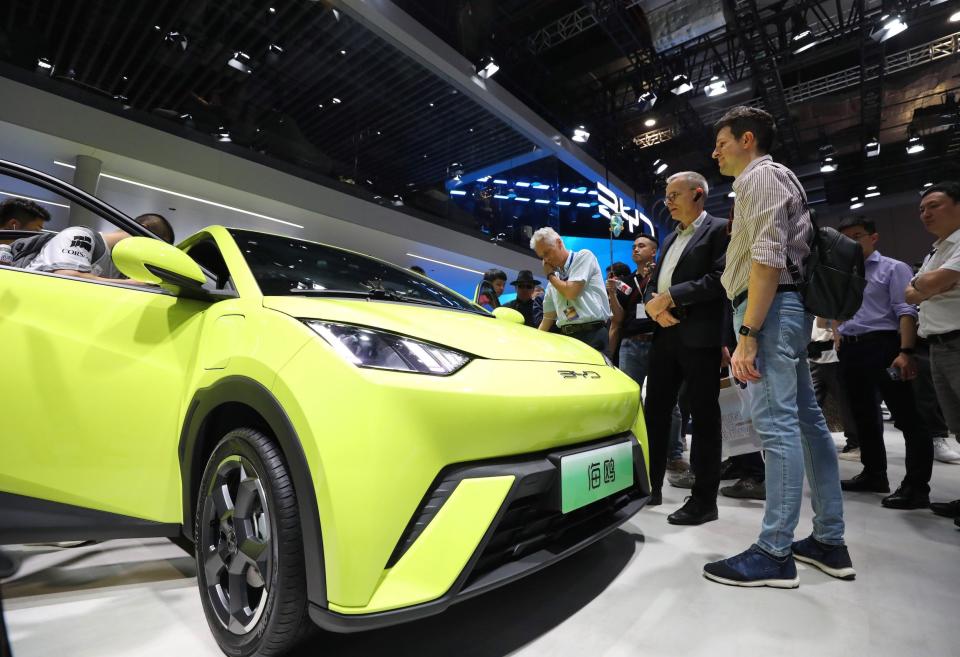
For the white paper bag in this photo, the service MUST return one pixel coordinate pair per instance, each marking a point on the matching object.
(737, 433)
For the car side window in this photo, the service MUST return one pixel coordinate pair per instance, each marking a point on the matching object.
(207, 254)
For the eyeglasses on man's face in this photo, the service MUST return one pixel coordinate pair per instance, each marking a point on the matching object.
(673, 196)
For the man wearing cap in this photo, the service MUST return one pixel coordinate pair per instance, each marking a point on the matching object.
(526, 303)
(576, 298)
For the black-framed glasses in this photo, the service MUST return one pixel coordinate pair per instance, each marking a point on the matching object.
(673, 196)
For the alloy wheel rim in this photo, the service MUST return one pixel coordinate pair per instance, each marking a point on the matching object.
(237, 545)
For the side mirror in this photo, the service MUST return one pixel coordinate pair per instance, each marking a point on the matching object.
(151, 261)
(508, 315)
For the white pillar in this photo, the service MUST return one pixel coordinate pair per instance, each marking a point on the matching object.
(86, 176)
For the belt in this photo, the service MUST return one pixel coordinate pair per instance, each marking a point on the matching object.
(639, 337)
(870, 335)
(567, 329)
(786, 287)
(942, 338)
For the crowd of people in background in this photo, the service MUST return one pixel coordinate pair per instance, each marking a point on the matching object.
(726, 298)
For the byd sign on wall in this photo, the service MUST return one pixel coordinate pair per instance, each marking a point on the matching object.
(612, 206)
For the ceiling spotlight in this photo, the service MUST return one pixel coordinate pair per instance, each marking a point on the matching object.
(646, 101)
(716, 87)
(828, 165)
(872, 147)
(659, 166)
(176, 39)
(335, 100)
(343, 52)
(272, 10)
(650, 122)
(486, 67)
(44, 63)
(581, 135)
(802, 38)
(239, 61)
(871, 194)
(856, 206)
(890, 26)
(929, 184)
(854, 199)
(680, 85)
(955, 17)
(914, 143)
(223, 136)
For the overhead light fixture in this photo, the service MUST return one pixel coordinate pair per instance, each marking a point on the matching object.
(457, 192)
(716, 87)
(650, 122)
(44, 63)
(563, 203)
(828, 165)
(872, 147)
(335, 100)
(522, 183)
(646, 101)
(500, 181)
(186, 196)
(522, 199)
(502, 197)
(872, 192)
(578, 190)
(659, 166)
(272, 10)
(240, 61)
(854, 199)
(914, 143)
(176, 39)
(223, 136)
(583, 205)
(681, 85)
(856, 206)
(929, 184)
(581, 135)
(802, 38)
(486, 67)
(542, 200)
(40, 200)
(540, 186)
(955, 17)
(732, 194)
(890, 26)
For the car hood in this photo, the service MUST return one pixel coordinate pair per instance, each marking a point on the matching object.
(472, 333)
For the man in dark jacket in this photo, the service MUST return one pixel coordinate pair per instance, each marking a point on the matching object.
(526, 303)
(686, 299)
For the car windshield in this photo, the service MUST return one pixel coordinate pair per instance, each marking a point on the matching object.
(284, 266)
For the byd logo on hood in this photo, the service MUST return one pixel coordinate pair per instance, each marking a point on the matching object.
(572, 374)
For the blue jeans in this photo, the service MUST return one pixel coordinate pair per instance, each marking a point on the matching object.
(792, 430)
(634, 361)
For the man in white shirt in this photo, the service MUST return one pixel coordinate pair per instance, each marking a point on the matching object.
(576, 299)
(936, 289)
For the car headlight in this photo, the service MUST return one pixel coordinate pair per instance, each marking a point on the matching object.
(366, 347)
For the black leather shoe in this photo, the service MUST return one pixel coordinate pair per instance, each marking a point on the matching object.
(656, 499)
(946, 509)
(693, 512)
(904, 498)
(866, 483)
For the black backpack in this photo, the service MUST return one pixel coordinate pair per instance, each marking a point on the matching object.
(833, 277)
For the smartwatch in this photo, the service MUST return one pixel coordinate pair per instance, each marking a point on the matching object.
(748, 332)
(907, 350)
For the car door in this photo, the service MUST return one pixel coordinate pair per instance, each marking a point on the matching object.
(92, 381)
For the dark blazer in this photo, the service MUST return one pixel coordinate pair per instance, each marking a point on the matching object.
(702, 305)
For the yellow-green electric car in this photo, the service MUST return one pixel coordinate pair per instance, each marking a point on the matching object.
(337, 440)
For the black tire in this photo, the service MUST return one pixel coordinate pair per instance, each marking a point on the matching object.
(249, 548)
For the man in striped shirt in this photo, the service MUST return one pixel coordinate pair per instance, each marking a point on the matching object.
(770, 235)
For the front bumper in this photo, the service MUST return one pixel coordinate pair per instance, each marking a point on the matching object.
(527, 532)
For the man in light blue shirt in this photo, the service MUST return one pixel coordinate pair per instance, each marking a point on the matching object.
(576, 299)
(876, 361)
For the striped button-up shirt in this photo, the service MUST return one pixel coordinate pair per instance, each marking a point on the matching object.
(771, 222)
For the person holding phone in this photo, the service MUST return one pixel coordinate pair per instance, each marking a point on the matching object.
(876, 361)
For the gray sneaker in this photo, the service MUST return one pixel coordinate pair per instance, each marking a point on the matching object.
(746, 489)
(681, 479)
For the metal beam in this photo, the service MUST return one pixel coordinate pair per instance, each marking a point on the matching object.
(503, 165)
(387, 21)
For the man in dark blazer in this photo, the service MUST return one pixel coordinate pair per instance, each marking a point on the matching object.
(688, 303)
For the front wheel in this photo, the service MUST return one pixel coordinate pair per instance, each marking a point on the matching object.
(249, 549)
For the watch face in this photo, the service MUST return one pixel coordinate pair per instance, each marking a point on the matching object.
(744, 330)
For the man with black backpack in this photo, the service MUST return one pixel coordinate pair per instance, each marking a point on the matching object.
(770, 238)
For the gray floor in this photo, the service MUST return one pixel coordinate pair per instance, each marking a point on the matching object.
(640, 592)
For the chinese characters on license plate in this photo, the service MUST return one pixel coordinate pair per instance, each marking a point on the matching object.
(589, 476)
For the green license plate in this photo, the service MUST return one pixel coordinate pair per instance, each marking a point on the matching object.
(586, 477)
